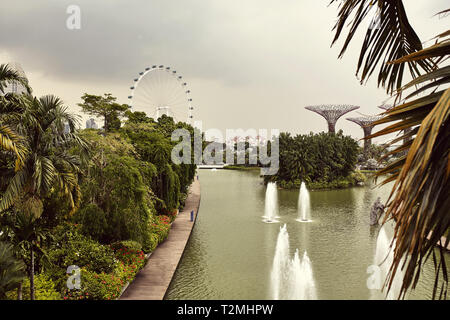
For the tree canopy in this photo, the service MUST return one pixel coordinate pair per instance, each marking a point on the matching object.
(104, 106)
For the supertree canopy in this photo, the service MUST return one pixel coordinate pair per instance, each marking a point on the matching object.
(332, 113)
(366, 123)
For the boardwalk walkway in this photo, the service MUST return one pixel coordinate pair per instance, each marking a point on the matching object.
(152, 281)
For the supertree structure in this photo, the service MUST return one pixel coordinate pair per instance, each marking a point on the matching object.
(332, 113)
(366, 123)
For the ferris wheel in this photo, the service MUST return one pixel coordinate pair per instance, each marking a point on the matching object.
(159, 90)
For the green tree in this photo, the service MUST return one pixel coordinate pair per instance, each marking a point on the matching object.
(315, 158)
(419, 201)
(152, 141)
(49, 166)
(138, 117)
(117, 200)
(153, 147)
(104, 106)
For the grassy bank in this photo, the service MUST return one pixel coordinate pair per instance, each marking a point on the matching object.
(354, 179)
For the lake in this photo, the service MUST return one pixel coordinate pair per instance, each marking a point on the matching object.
(231, 250)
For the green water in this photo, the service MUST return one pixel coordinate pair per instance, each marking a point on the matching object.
(230, 252)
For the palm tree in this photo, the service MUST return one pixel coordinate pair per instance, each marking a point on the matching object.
(48, 166)
(9, 140)
(26, 234)
(11, 270)
(419, 201)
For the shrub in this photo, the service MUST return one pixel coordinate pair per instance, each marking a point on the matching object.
(357, 176)
(108, 286)
(84, 253)
(70, 247)
(125, 272)
(183, 197)
(172, 215)
(45, 289)
(93, 221)
(160, 225)
(128, 244)
(164, 219)
(96, 286)
(130, 256)
(150, 242)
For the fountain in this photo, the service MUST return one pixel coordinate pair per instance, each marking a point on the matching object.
(383, 259)
(303, 204)
(271, 204)
(302, 278)
(291, 279)
(280, 263)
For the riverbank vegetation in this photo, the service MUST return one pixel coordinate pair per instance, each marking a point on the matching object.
(96, 199)
(323, 160)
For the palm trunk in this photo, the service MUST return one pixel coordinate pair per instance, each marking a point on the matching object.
(32, 297)
(19, 292)
(106, 124)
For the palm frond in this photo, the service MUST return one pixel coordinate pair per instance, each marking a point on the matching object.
(43, 174)
(437, 50)
(12, 270)
(392, 40)
(420, 202)
(49, 167)
(10, 141)
(14, 189)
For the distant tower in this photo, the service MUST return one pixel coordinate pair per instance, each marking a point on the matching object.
(332, 113)
(366, 123)
(15, 87)
(66, 128)
(90, 124)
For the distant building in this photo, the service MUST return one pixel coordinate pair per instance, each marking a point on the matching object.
(66, 128)
(90, 124)
(15, 87)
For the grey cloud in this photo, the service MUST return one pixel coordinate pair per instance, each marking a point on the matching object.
(262, 59)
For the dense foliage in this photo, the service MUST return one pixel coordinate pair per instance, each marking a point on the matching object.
(11, 269)
(323, 160)
(96, 199)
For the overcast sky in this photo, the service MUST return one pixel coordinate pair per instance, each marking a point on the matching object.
(249, 63)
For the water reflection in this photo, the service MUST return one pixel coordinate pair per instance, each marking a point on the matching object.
(230, 253)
